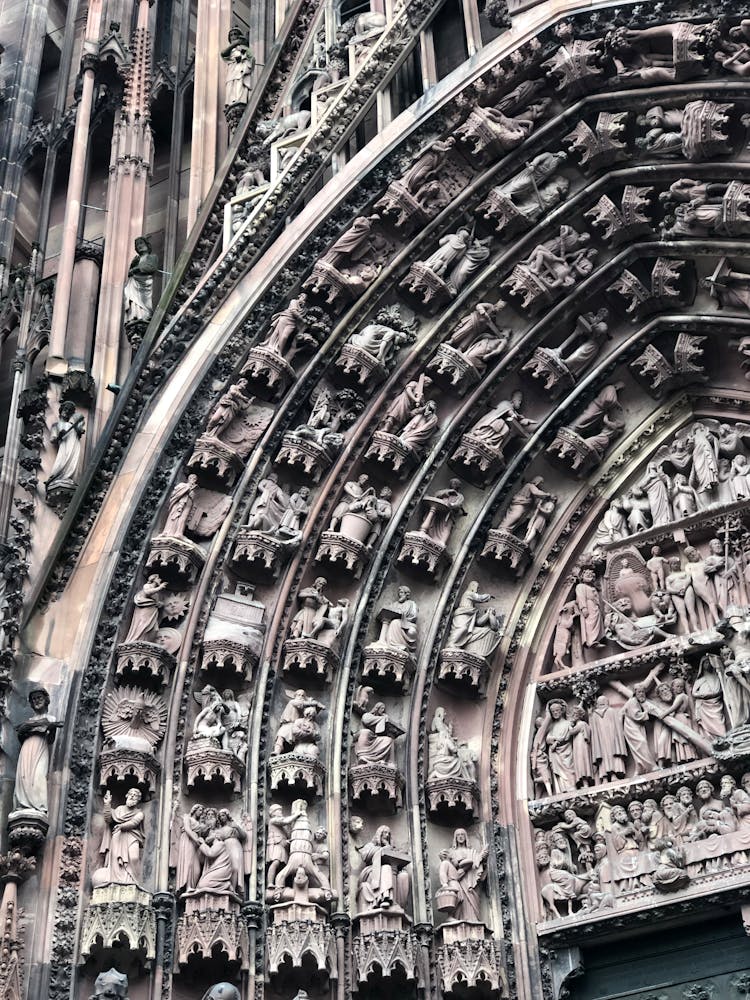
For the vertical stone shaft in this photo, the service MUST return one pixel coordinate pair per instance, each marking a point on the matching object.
(130, 168)
(209, 128)
(76, 180)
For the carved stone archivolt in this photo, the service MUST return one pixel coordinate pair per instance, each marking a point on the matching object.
(607, 525)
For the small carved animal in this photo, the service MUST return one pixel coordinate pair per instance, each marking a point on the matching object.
(279, 128)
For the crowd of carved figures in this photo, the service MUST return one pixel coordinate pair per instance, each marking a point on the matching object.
(624, 852)
(636, 587)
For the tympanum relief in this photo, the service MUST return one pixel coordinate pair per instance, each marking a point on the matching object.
(643, 703)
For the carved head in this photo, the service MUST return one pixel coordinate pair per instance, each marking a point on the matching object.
(727, 786)
(383, 835)
(320, 584)
(321, 835)
(640, 692)
(223, 991)
(110, 985)
(300, 806)
(745, 781)
(619, 815)
(517, 399)
(356, 824)
(404, 593)
(635, 811)
(304, 492)
(602, 701)
(685, 796)
(66, 409)
(460, 838)
(386, 493)
(664, 691)
(39, 700)
(678, 685)
(133, 797)
(557, 709)
(300, 877)
(143, 244)
(704, 790)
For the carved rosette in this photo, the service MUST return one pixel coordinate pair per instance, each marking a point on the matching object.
(177, 560)
(126, 767)
(477, 461)
(208, 763)
(463, 670)
(121, 917)
(341, 551)
(144, 662)
(387, 668)
(383, 946)
(212, 927)
(377, 786)
(468, 959)
(214, 462)
(304, 455)
(296, 773)
(390, 451)
(229, 658)
(422, 554)
(573, 453)
(450, 367)
(267, 372)
(258, 555)
(298, 932)
(360, 366)
(452, 799)
(506, 549)
(309, 658)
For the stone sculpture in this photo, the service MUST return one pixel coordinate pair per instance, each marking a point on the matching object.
(560, 367)
(552, 268)
(390, 658)
(36, 736)
(139, 286)
(584, 443)
(222, 991)
(147, 604)
(447, 756)
(371, 353)
(240, 65)
(445, 272)
(311, 445)
(122, 841)
(180, 506)
(66, 432)
(301, 853)
(383, 882)
(518, 534)
(462, 873)
(298, 730)
(482, 449)
(112, 985)
(417, 196)
(514, 206)
(499, 129)
(697, 131)
(474, 342)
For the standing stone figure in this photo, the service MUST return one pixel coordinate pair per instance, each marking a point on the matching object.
(146, 605)
(122, 841)
(36, 736)
(139, 287)
(180, 506)
(240, 65)
(66, 433)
